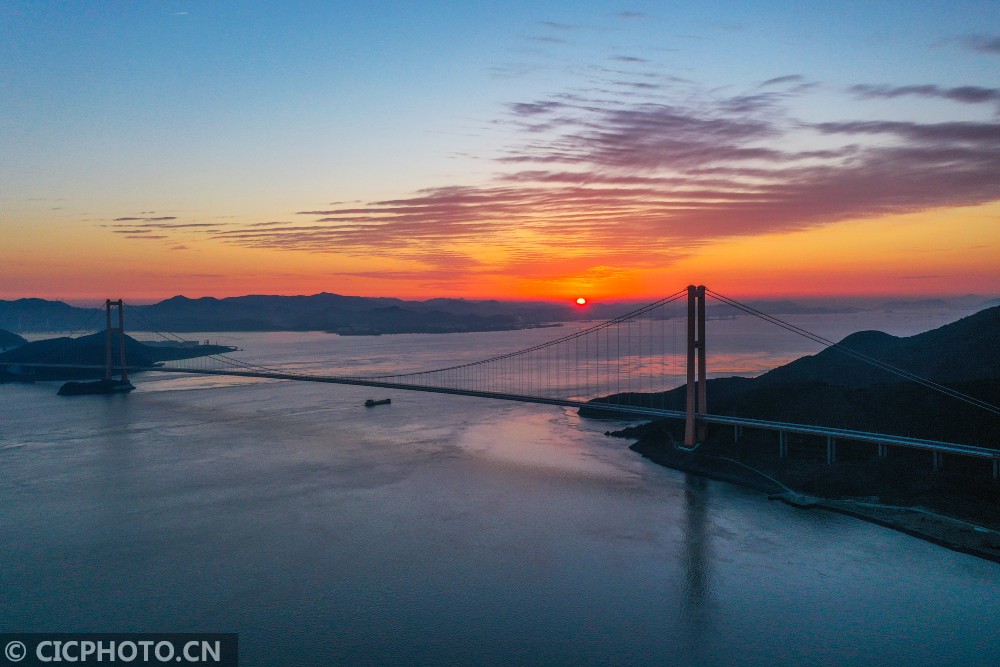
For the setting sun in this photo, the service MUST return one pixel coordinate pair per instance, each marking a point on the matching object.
(581, 301)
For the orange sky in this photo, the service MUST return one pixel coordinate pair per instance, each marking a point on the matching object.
(951, 251)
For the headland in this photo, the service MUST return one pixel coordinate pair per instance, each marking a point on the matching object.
(957, 506)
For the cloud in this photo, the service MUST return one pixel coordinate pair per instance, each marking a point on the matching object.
(984, 136)
(548, 40)
(183, 225)
(627, 177)
(789, 78)
(963, 94)
(630, 15)
(630, 59)
(983, 43)
(552, 25)
(155, 223)
(535, 108)
(604, 180)
(649, 136)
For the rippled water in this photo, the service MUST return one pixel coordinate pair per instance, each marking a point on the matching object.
(441, 529)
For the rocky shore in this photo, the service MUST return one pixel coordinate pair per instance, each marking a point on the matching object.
(958, 509)
(954, 502)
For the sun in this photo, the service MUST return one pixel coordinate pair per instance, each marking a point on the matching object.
(581, 301)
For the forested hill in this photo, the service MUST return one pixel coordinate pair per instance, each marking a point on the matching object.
(832, 388)
(968, 349)
(10, 339)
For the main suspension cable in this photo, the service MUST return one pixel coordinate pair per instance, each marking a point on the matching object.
(860, 356)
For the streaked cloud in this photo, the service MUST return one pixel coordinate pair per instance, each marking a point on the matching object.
(778, 80)
(547, 39)
(630, 59)
(554, 25)
(963, 94)
(983, 43)
(601, 179)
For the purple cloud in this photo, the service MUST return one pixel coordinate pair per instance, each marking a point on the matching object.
(963, 94)
(602, 179)
(552, 25)
(618, 176)
(630, 59)
(983, 43)
(790, 78)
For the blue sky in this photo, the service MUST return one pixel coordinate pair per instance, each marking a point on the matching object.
(255, 112)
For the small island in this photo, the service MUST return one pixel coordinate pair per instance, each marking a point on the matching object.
(62, 356)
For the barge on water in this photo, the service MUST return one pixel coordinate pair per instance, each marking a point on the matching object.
(371, 402)
(104, 386)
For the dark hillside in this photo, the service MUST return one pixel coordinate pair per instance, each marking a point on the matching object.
(966, 350)
(834, 389)
(90, 350)
(10, 339)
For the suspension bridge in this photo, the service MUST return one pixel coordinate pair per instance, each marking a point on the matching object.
(624, 366)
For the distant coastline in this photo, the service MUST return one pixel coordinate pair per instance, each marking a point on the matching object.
(337, 313)
(332, 313)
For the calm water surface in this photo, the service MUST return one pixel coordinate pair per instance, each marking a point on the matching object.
(444, 529)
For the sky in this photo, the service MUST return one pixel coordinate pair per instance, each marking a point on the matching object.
(538, 150)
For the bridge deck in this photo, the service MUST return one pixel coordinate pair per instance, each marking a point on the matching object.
(656, 413)
(842, 433)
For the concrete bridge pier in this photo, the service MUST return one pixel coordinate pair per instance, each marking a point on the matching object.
(694, 430)
(831, 450)
(782, 445)
(936, 461)
(737, 433)
(996, 469)
(109, 333)
(883, 450)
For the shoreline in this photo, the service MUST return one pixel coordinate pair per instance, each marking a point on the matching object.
(946, 531)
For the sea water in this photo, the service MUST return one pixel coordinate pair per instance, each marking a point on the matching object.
(447, 529)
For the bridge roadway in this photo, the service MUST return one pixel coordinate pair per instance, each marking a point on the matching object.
(836, 433)
(935, 446)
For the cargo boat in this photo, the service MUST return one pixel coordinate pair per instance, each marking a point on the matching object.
(104, 386)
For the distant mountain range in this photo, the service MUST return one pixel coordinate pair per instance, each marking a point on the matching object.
(353, 314)
(319, 312)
